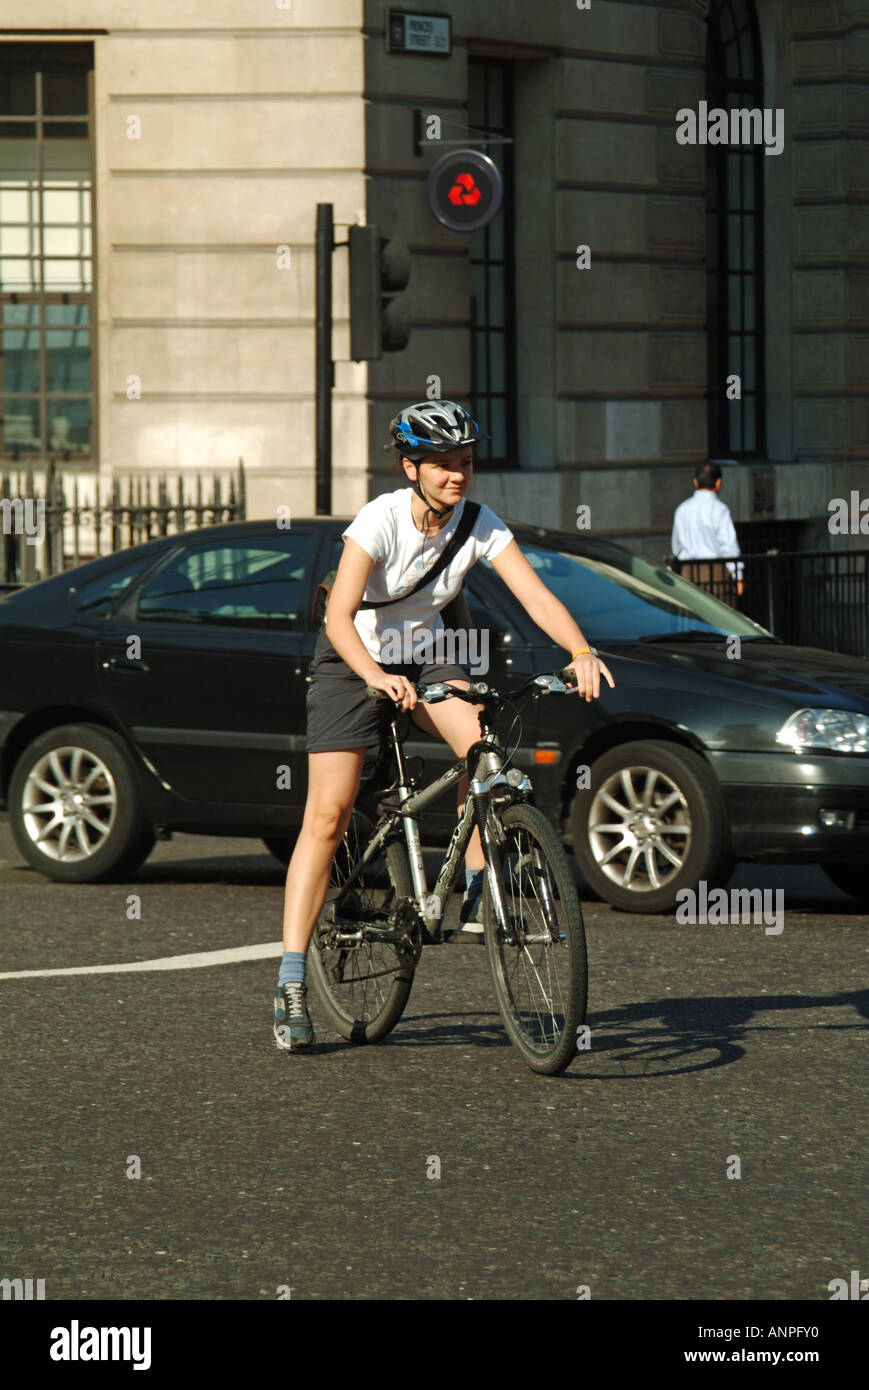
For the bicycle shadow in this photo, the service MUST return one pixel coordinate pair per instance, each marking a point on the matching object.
(421, 1030)
(640, 1041)
(648, 1039)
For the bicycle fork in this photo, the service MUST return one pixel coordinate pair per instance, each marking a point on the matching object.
(477, 794)
(476, 809)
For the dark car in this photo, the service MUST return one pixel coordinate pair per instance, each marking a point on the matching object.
(163, 689)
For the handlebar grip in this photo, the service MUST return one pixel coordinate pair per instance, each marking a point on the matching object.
(568, 675)
(374, 694)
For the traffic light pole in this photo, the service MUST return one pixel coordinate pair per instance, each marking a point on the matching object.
(325, 368)
(379, 319)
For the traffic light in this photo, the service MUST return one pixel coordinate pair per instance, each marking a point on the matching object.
(380, 317)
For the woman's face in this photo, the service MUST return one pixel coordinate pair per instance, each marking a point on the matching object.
(445, 478)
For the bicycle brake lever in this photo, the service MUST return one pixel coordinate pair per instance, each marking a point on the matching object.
(435, 692)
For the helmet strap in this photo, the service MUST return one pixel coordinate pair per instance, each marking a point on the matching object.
(419, 492)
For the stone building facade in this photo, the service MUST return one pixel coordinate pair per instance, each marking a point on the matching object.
(213, 130)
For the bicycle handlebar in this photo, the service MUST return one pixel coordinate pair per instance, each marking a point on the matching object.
(482, 693)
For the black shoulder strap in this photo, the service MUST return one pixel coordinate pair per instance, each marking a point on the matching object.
(463, 530)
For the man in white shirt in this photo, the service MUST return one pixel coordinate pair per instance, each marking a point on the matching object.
(703, 530)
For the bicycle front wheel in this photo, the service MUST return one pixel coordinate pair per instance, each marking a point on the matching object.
(364, 981)
(539, 964)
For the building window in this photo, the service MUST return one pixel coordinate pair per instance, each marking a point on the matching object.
(492, 266)
(46, 252)
(734, 239)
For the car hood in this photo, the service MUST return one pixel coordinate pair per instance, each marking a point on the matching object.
(805, 674)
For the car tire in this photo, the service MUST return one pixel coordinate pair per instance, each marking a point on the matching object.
(666, 773)
(280, 848)
(133, 859)
(849, 878)
(119, 837)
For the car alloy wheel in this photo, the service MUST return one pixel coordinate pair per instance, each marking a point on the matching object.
(651, 823)
(69, 803)
(639, 829)
(75, 805)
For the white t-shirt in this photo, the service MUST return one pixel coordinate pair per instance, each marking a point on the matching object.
(386, 531)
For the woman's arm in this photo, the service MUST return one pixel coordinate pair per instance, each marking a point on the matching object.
(354, 569)
(550, 614)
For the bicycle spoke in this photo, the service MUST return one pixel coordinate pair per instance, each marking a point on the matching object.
(364, 980)
(540, 964)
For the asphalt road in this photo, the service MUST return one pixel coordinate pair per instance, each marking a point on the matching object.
(261, 1171)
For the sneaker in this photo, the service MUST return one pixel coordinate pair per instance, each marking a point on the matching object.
(293, 1028)
(471, 917)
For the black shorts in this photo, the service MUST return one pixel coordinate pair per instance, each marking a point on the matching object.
(342, 716)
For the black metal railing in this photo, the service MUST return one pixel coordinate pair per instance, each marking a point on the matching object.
(51, 521)
(811, 598)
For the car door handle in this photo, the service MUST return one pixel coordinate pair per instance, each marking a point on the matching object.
(122, 663)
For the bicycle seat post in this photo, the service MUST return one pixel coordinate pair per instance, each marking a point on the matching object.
(398, 749)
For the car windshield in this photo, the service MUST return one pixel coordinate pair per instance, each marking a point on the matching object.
(631, 599)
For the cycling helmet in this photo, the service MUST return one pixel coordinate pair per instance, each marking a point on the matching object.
(432, 427)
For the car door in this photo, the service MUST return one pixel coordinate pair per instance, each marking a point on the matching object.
(205, 664)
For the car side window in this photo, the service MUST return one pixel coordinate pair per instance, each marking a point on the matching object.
(336, 553)
(100, 596)
(250, 582)
(485, 612)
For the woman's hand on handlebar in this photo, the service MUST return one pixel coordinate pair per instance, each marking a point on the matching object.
(588, 670)
(398, 688)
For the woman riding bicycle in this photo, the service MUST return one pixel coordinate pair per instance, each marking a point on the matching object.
(393, 541)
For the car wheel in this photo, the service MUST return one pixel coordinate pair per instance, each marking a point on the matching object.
(74, 806)
(282, 849)
(850, 878)
(651, 822)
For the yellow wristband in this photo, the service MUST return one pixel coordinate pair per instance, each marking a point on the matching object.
(580, 652)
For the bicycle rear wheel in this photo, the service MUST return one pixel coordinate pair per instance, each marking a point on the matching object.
(539, 970)
(364, 984)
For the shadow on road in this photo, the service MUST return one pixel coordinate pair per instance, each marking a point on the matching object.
(426, 1030)
(663, 1037)
(670, 1037)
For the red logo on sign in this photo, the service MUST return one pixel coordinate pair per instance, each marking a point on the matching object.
(465, 191)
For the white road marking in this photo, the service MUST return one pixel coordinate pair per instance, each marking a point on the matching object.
(192, 962)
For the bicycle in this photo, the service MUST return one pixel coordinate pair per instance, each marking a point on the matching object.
(378, 912)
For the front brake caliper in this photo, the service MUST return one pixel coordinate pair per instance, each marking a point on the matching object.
(495, 828)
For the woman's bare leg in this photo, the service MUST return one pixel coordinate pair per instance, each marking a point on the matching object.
(458, 724)
(333, 783)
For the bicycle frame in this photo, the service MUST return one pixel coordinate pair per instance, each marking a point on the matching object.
(366, 952)
(488, 758)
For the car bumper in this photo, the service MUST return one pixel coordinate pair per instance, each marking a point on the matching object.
(775, 800)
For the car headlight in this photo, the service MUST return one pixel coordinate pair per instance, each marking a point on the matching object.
(841, 730)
